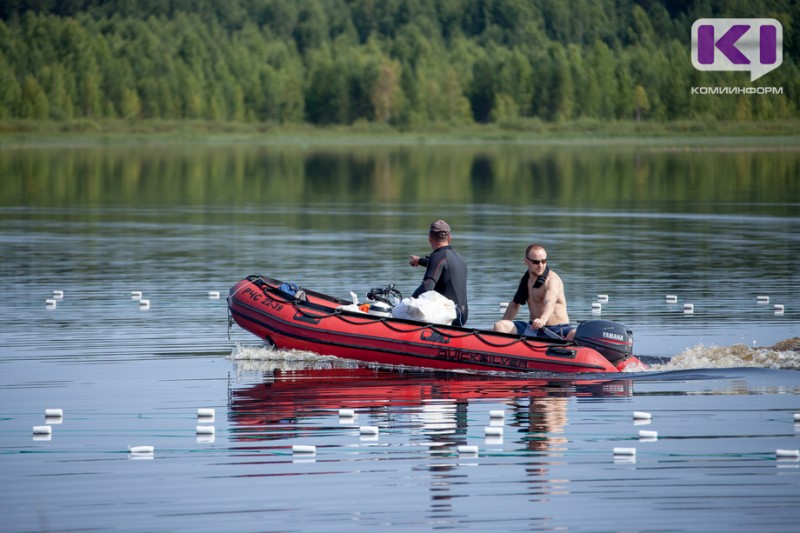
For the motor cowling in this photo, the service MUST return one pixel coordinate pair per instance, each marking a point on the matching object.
(614, 341)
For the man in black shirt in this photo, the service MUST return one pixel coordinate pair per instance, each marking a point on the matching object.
(446, 272)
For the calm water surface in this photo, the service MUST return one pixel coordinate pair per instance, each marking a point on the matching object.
(717, 227)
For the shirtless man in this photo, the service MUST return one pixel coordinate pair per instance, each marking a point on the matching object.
(543, 291)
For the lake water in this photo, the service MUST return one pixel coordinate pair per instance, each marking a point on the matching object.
(717, 225)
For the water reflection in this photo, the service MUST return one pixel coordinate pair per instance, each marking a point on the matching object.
(437, 411)
(435, 404)
(253, 175)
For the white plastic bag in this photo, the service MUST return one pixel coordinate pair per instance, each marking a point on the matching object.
(430, 307)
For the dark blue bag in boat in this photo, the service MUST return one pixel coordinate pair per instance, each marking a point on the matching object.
(289, 288)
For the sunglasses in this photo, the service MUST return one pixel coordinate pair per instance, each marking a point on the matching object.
(537, 261)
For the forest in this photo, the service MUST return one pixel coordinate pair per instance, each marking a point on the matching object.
(403, 63)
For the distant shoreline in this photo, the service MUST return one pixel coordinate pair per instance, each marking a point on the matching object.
(696, 133)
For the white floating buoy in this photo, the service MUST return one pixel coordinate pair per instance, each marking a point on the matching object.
(493, 431)
(54, 413)
(688, 309)
(205, 412)
(50, 303)
(597, 305)
(797, 417)
(368, 430)
(136, 295)
(641, 415)
(58, 294)
(602, 297)
(788, 454)
(205, 439)
(144, 304)
(498, 413)
(42, 430)
(467, 449)
(205, 430)
(141, 450)
(763, 299)
(646, 434)
(303, 448)
(503, 305)
(624, 451)
(347, 413)
(672, 298)
(213, 295)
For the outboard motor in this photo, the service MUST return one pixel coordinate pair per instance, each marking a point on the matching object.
(614, 341)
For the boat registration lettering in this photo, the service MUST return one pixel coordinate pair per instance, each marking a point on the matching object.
(482, 358)
(265, 300)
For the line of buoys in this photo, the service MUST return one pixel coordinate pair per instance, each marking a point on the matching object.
(625, 451)
(136, 295)
(763, 299)
(304, 449)
(368, 430)
(213, 295)
(602, 297)
(688, 309)
(467, 450)
(641, 415)
(42, 430)
(59, 294)
(672, 298)
(787, 454)
(53, 413)
(493, 431)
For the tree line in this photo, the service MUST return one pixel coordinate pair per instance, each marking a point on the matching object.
(405, 63)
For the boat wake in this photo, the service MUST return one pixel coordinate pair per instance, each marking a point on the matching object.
(262, 358)
(784, 355)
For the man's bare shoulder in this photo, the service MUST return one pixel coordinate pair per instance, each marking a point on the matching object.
(553, 280)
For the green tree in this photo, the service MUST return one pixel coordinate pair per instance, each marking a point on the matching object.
(33, 101)
(641, 104)
(386, 92)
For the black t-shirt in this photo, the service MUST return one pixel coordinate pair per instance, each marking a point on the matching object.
(446, 273)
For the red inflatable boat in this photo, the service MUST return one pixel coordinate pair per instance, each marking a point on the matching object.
(307, 320)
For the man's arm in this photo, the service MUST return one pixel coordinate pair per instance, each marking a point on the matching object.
(432, 274)
(511, 311)
(552, 289)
